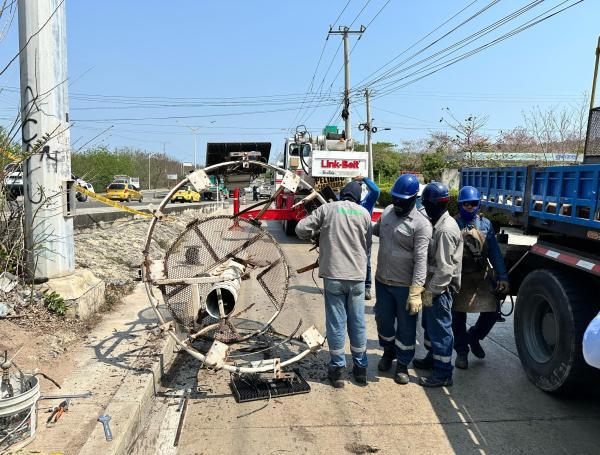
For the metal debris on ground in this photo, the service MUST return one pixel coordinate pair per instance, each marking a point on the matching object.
(255, 387)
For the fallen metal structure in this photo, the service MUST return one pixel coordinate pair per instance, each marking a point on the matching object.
(223, 267)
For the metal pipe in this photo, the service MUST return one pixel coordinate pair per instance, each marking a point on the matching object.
(595, 75)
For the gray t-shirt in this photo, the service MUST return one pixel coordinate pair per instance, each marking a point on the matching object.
(345, 235)
(403, 244)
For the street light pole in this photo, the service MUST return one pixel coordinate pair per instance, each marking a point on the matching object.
(150, 156)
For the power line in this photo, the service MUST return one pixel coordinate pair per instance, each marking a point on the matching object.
(459, 44)
(465, 55)
(417, 42)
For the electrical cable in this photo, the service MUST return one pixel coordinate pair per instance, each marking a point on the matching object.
(532, 22)
(462, 43)
(417, 42)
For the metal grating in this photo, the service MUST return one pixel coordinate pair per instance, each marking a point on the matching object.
(592, 143)
(209, 242)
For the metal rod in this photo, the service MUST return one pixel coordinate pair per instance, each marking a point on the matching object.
(595, 75)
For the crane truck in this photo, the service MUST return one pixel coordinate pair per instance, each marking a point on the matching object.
(325, 161)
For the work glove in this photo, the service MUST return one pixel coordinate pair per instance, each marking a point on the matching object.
(413, 302)
(427, 299)
(503, 287)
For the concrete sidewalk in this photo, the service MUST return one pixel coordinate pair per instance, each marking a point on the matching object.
(121, 364)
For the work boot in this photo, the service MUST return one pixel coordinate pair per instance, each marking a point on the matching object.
(360, 374)
(401, 375)
(368, 294)
(432, 381)
(385, 363)
(476, 348)
(462, 361)
(426, 363)
(335, 376)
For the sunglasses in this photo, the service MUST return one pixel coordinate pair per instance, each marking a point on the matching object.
(470, 204)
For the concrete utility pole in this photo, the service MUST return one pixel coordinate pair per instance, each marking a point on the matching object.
(368, 128)
(46, 137)
(345, 31)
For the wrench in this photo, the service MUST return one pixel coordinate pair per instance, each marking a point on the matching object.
(104, 419)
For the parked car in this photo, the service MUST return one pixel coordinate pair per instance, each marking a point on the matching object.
(123, 192)
(82, 183)
(186, 194)
(13, 181)
(265, 191)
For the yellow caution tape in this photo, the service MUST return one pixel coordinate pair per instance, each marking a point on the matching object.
(112, 203)
(9, 155)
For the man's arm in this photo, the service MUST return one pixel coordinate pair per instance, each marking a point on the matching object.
(445, 264)
(421, 247)
(371, 198)
(310, 226)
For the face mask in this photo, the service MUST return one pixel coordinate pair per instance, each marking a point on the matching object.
(402, 207)
(468, 216)
(435, 210)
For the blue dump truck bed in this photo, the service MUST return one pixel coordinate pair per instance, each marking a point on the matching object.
(561, 199)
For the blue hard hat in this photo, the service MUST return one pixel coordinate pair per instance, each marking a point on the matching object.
(468, 193)
(406, 186)
(435, 192)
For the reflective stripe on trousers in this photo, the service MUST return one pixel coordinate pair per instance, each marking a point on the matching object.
(390, 310)
(437, 322)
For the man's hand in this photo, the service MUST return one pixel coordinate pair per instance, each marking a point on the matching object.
(427, 299)
(503, 286)
(359, 178)
(414, 302)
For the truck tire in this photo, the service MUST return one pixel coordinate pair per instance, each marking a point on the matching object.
(551, 315)
(289, 227)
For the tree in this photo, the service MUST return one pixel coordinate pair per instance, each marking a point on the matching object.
(468, 137)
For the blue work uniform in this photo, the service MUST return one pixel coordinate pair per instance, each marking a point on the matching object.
(477, 284)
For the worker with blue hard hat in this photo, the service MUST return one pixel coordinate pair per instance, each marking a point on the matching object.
(481, 284)
(443, 280)
(404, 235)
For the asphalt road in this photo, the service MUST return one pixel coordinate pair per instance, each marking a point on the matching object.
(491, 409)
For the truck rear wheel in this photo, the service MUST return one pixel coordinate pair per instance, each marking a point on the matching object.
(551, 315)
(289, 227)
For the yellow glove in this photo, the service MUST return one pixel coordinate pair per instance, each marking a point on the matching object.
(427, 299)
(413, 302)
(503, 287)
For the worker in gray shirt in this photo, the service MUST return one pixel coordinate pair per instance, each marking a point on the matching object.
(443, 280)
(404, 234)
(344, 229)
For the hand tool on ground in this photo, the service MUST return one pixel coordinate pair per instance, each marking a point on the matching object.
(104, 419)
(57, 413)
(66, 396)
(184, 407)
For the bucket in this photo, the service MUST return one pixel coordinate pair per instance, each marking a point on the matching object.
(18, 414)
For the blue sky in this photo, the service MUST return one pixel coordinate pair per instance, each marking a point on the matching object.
(175, 57)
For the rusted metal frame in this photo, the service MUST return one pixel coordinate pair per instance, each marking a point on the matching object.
(269, 202)
(205, 242)
(264, 286)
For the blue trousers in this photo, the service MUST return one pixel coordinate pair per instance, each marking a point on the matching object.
(437, 322)
(390, 311)
(345, 305)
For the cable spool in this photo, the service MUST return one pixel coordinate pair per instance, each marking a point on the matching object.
(216, 270)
